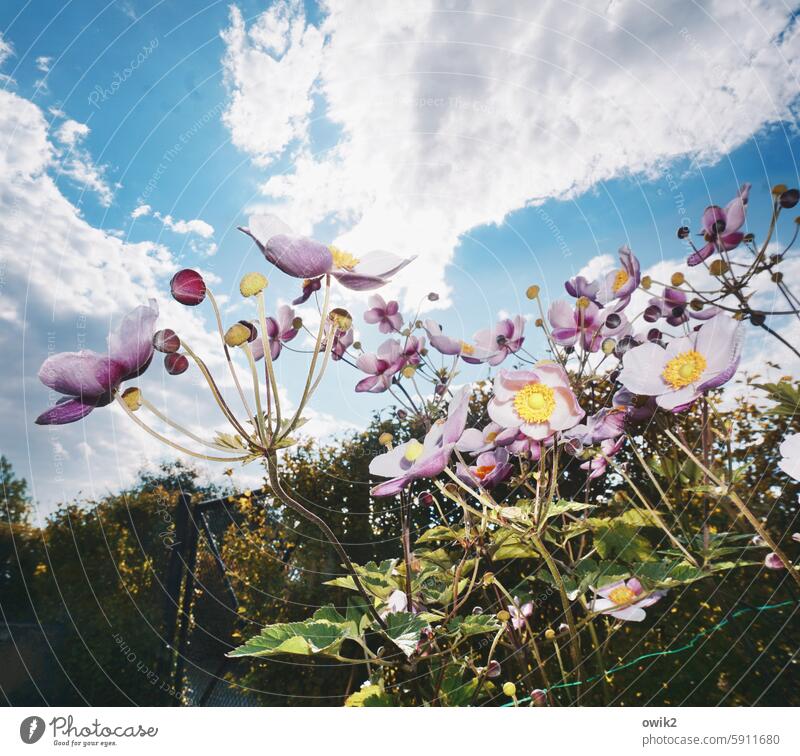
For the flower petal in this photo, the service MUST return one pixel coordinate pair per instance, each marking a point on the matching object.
(65, 411)
(131, 344)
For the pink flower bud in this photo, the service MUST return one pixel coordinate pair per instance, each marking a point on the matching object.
(493, 670)
(538, 697)
(166, 340)
(188, 287)
(773, 562)
(176, 364)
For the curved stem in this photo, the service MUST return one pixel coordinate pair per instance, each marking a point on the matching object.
(161, 416)
(172, 444)
(262, 432)
(292, 503)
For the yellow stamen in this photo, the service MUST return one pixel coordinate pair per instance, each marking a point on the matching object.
(622, 595)
(620, 279)
(467, 349)
(343, 260)
(413, 450)
(535, 403)
(483, 470)
(684, 369)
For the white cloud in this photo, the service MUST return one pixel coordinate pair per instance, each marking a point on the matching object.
(141, 211)
(77, 164)
(195, 226)
(43, 63)
(451, 119)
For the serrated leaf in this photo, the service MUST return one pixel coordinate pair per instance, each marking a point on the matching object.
(323, 635)
(404, 629)
(370, 695)
(562, 505)
(508, 544)
(474, 624)
(441, 533)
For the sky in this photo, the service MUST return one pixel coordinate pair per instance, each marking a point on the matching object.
(504, 143)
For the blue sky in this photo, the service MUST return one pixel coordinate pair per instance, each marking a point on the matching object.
(503, 146)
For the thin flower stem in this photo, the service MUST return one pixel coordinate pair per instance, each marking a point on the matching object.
(655, 515)
(161, 416)
(262, 431)
(228, 354)
(310, 377)
(325, 358)
(742, 507)
(262, 318)
(172, 444)
(221, 403)
(565, 603)
(277, 487)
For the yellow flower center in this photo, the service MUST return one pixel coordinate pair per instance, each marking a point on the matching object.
(684, 369)
(413, 450)
(491, 436)
(535, 403)
(467, 349)
(622, 595)
(620, 279)
(343, 260)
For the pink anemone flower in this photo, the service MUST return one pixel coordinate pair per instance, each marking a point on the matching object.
(678, 375)
(790, 453)
(491, 468)
(89, 379)
(493, 345)
(585, 322)
(280, 330)
(414, 460)
(721, 226)
(301, 257)
(618, 285)
(538, 402)
(390, 359)
(624, 594)
(385, 314)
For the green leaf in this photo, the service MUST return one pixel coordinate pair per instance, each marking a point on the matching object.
(370, 695)
(375, 577)
(474, 624)
(617, 540)
(441, 533)
(561, 506)
(508, 544)
(323, 634)
(665, 573)
(404, 629)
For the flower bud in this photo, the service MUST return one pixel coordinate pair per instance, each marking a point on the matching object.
(532, 292)
(433, 297)
(683, 232)
(773, 562)
(613, 321)
(297, 323)
(477, 610)
(252, 284)
(402, 414)
(408, 371)
(718, 268)
(493, 670)
(166, 340)
(779, 189)
(426, 499)
(652, 313)
(385, 439)
(653, 334)
(503, 615)
(608, 346)
(509, 689)
(677, 278)
(696, 305)
(188, 287)
(237, 335)
(340, 318)
(549, 633)
(538, 697)
(777, 277)
(175, 363)
(789, 198)
(132, 398)
(539, 323)
(758, 318)
(582, 302)
(646, 282)
(356, 345)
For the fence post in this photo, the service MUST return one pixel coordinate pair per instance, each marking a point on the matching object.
(172, 583)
